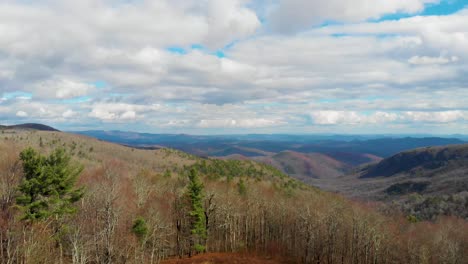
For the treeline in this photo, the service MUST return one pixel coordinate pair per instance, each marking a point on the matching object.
(114, 214)
(217, 168)
(430, 207)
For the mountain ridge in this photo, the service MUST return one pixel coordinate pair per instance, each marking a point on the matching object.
(30, 126)
(429, 158)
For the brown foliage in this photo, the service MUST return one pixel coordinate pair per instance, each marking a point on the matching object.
(272, 219)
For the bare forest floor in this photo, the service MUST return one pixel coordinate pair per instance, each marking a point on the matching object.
(234, 258)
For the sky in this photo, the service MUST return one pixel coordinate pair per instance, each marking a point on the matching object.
(236, 66)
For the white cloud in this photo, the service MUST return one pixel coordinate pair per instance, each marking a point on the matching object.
(359, 74)
(21, 114)
(130, 24)
(437, 117)
(434, 34)
(335, 117)
(61, 89)
(69, 114)
(425, 60)
(239, 123)
(229, 18)
(119, 112)
(353, 117)
(293, 15)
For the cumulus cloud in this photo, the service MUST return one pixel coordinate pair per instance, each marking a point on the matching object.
(129, 23)
(61, 89)
(239, 123)
(199, 66)
(436, 117)
(433, 34)
(69, 114)
(353, 117)
(119, 112)
(335, 117)
(21, 114)
(292, 15)
(425, 60)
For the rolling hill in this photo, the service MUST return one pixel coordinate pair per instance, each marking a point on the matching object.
(438, 170)
(137, 208)
(310, 158)
(29, 126)
(424, 182)
(305, 165)
(422, 162)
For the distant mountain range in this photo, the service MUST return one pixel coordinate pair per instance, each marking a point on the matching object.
(305, 157)
(255, 145)
(389, 169)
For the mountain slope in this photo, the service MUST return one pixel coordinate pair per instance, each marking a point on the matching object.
(310, 158)
(137, 209)
(423, 182)
(440, 170)
(421, 162)
(30, 126)
(306, 165)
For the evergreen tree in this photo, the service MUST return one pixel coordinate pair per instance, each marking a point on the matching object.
(48, 188)
(140, 228)
(197, 214)
(241, 188)
(167, 173)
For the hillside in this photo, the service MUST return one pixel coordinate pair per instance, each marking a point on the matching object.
(306, 165)
(29, 126)
(90, 152)
(381, 147)
(424, 182)
(423, 162)
(310, 168)
(434, 170)
(312, 159)
(137, 208)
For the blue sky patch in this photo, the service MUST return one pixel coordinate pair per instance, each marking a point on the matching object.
(76, 100)
(220, 54)
(197, 47)
(177, 50)
(445, 7)
(100, 84)
(17, 94)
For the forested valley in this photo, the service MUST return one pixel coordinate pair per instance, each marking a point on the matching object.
(72, 199)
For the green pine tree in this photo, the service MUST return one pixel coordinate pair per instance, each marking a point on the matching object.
(140, 228)
(241, 187)
(48, 188)
(197, 214)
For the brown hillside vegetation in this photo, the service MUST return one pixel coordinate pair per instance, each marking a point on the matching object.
(137, 208)
(227, 258)
(306, 165)
(313, 168)
(424, 182)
